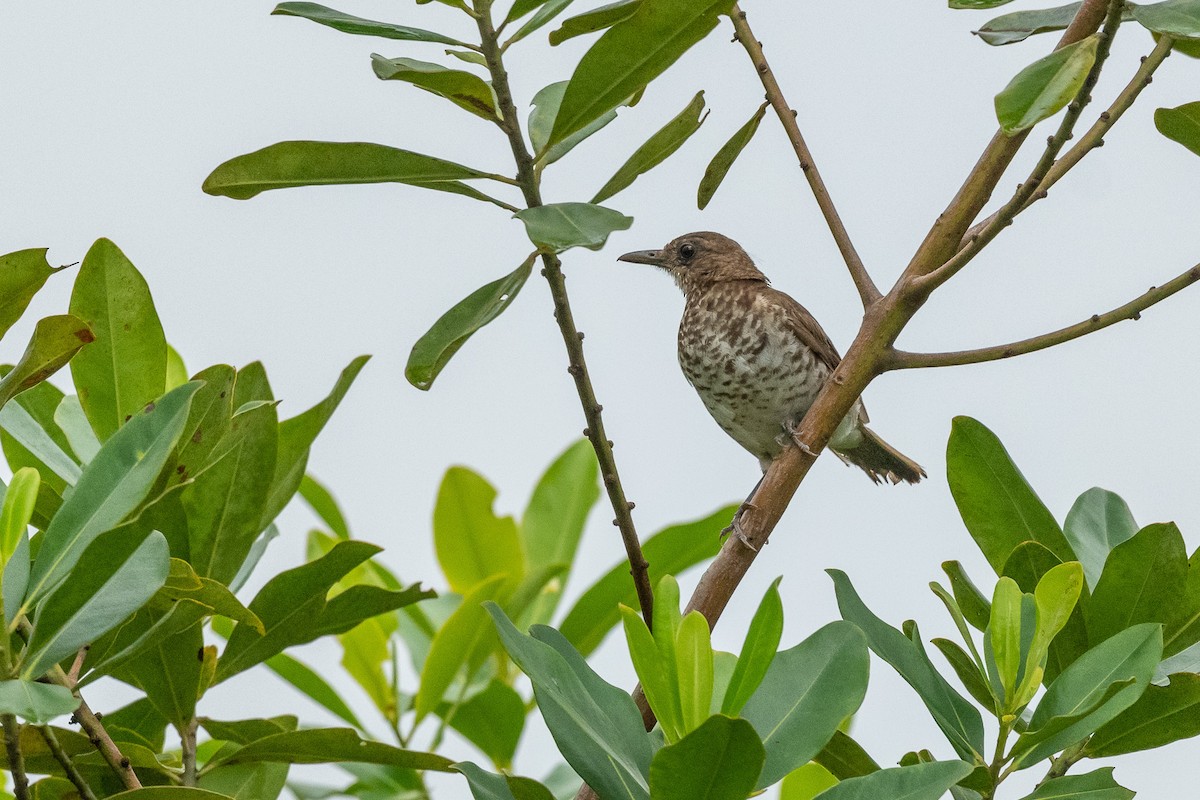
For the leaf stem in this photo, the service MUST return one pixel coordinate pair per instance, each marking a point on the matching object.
(868, 292)
(60, 755)
(16, 761)
(572, 337)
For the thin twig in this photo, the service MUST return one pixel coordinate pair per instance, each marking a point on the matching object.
(80, 657)
(187, 749)
(1131, 310)
(64, 760)
(16, 761)
(1032, 186)
(867, 290)
(571, 335)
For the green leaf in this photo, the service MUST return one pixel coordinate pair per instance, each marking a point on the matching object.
(54, 342)
(491, 720)
(208, 421)
(126, 366)
(1097, 522)
(560, 226)
(758, 651)
(597, 19)
(845, 758)
(669, 551)
(694, 669)
(464, 89)
(719, 167)
(36, 703)
(347, 23)
(1143, 581)
(438, 345)
(995, 501)
(1098, 785)
(957, 717)
(719, 760)
(807, 693)
(113, 484)
(1005, 635)
(246, 781)
(806, 782)
(329, 745)
(925, 781)
(1091, 692)
(541, 120)
(170, 671)
(1020, 25)
(654, 674)
(657, 148)
(520, 8)
(1162, 715)
(312, 685)
(16, 511)
(113, 578)
(489, 786)
(33, 439)
(976, 609)
(472, 543)
(1177, 18)
(596, 726)
(1040, 90)
(168, 793)
(977, 4)
(22, 274)
(184, 584)
(303, 163)
(967, 671)
(324, 505)
(1184, 630)
(365, 650)
(74, 424)
(1056, 596)
(545, 15)
(1027, 565)
(1180, 124)
(630, 55)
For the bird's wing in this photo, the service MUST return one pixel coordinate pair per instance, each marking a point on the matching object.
(806, 327)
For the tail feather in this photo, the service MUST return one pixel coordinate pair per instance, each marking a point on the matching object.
(880, 460)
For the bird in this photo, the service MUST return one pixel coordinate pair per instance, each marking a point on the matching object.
(758, 358)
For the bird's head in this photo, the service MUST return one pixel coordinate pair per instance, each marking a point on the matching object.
(699, 260)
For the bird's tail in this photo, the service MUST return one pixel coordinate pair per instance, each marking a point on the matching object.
(880, 460)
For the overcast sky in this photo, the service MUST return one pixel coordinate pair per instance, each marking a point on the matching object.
(115, 112)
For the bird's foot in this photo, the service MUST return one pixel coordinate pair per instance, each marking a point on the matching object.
(793, 433)
(735, 527)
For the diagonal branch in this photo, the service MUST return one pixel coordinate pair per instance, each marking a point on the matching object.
(1131, 310)
(64, 760)
(867, 290)
(16, 761)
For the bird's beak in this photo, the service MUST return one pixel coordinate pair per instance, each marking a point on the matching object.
(654, 257)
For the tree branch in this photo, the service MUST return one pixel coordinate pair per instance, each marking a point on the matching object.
(60, 755)
(16, 761)
(1131, 310)
(867, 290)
(572, 337)
(187, 749)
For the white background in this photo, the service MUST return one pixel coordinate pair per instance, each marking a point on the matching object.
(113, 114)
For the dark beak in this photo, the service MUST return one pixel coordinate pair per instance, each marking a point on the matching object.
(654, 257)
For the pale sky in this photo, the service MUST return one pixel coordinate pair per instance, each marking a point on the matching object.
(116, 112)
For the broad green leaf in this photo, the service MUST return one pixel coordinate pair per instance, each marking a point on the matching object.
(806, 782)
(1098, 785)
(329, 745)
(541, 121)
(977, 4)
(1004, 634)
(472, 543)
(1184, 630)
(464, 89)
(957, 717)
(1040, 90)
(54, 342)
(126, 365)
(74, 424)
(1027, 565)
(1143, 581)
(630, 55)
(1180, 124)
(438, 345)
(995, 501)
(462, 643)
(758, 651)
(490, 786)
(32, 438)
(597, 727)
(184, 584)
(665, 621)
(976, 609)
(546, 14)
(845, 758)
(177, 373)
(168, 793)
(22, 274)
(1056, 596)
(113, 578)
(561, 226)
(1020, 25)
(159, 621)
(1162, 715)
(1081, 698)
(137, 722)
(719, 167)
(15, 578)
(245, 731)
(655, 676)
(365, 650)
(657, 148)
(1097, 522)
(36, 703)
(719, 760)
(312, 685)
(303, 163)
(967, 671)
(257, 550)
(597, 19)
(520, 8)
(927, 781)
(694, 668)
(113, 484)
(170, 671)
(669, 551)
(491, 720)
(347, 23)
(324, 505)
(246, 781)
(1177, 18)
(16, 511)
(208, 421)
(809, 690)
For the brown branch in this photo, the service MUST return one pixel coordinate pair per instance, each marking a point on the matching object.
(16, 761)
(1132, 310)
(867, 290)
(187, 751)
(572, 337)
(64, 760)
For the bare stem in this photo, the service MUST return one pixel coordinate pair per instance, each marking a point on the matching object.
(572, 337)
(60, 755)
(16, 761)
(867, 290)
(187, 747)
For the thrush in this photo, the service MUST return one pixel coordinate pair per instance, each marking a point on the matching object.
(757, 358)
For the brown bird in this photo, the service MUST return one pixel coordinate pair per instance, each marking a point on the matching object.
(757, 358)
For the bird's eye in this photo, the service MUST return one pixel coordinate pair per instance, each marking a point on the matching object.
(686, 251)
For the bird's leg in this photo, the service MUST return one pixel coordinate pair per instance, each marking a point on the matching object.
(735, 527)
(792, 429)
